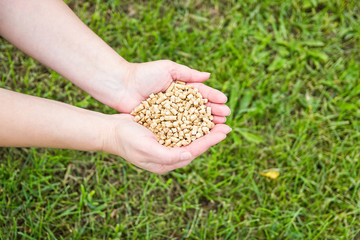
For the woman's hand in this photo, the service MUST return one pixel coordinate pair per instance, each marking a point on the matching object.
(139, 146)
(142, 79)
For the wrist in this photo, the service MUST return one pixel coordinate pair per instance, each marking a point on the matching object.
(107, 82)
(109, 139)
(115, 86)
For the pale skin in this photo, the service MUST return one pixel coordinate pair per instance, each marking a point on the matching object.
(51, 33)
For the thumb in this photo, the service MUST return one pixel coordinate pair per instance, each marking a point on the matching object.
(165, 155)
(186, 74)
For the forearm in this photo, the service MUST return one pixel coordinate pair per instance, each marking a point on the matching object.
(50, 32)
(27, 121)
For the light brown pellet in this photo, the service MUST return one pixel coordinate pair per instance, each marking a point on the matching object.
(168, 124)
(170, 118)
(167, 142)
(173, 111)
(205, 130)
(137, 118)
(190, 96)
(180, 82)
(161, 99)
(138, 108)
(192, 117)
(180, 86)
(174, 139)
(170, 88)
(194, 131)
(146, 104)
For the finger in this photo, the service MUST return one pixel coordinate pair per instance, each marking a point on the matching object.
(186, 74)
(219, 119)
(219, 109)
(211, 94)
(217, 134)
(163, 169)
(160, 154)
(168, 168)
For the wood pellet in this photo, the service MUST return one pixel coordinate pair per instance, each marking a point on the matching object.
(177, 116)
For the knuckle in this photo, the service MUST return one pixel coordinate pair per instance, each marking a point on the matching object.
(169, 63)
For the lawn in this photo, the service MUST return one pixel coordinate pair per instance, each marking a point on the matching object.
(291, 71)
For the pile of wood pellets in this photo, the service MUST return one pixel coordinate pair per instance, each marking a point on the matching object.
(177, 116)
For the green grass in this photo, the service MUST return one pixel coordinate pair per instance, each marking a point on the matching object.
(291, 71)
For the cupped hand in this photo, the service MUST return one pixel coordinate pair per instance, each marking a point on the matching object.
(138, 145)
(142, 79)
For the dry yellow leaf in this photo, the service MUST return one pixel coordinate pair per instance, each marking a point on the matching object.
(270, 174)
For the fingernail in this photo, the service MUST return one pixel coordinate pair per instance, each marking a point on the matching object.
(185, 156)
(229, 130)
(225, 99)
(207, 73)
